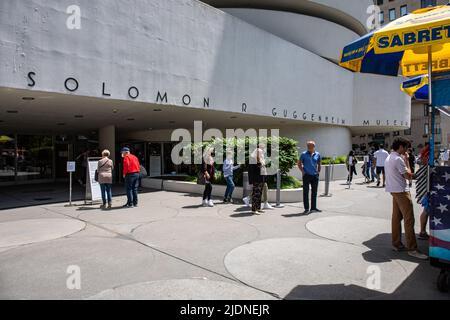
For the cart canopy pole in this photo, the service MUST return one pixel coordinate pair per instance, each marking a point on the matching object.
(430, 105)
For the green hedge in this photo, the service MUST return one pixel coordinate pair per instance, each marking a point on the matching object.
(288, 154)
(339, 160)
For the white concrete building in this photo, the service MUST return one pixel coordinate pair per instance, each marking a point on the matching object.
(105, 73)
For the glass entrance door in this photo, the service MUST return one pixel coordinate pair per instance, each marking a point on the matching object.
(154, 159)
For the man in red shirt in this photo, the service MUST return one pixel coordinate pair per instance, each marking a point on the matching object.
(131, 171)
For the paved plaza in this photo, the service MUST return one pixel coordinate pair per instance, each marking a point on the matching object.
(172, 248)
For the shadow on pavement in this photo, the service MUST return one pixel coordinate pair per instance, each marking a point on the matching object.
(420, 283)
(48, 193)
(96, 208)
(194, 206)
(330, 292)
(294, 215)
(241, 215)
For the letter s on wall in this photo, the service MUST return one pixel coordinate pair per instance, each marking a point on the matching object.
(31, 82)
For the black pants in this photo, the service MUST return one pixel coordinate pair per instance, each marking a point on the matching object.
(351, 172)
(257, 196)
(313, 181)
(207, 192)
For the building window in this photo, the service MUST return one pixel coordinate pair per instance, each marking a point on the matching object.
(381, 17)
(396, 133)
(426, 129)
(403, 10)
(426, 112)
(379, 2)
(407, 132)
(437, 129)
(427, 3)
(392, 14)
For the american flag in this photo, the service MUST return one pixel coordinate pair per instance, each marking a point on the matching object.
(440, 213)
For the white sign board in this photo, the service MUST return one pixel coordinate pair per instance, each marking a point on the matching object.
(93, 192)
(70, 166)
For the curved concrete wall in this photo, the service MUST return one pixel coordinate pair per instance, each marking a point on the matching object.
(351, 14)
(330, 140)
(184, 47)
(354, 8)
(319, 36)
(379, 105)
(179, 47)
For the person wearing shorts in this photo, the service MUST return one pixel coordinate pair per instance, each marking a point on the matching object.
(380, 157)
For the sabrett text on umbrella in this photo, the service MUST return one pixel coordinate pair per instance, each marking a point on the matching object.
(416, 37)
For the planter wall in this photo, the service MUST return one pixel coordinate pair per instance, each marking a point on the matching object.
(287, 196)
(339, 172)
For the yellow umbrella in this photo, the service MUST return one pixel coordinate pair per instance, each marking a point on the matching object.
(423, 36)
(418, 44)
(404, 43)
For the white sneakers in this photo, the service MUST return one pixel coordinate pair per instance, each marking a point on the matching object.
(207, 203)
(246, 201)
(267, 206)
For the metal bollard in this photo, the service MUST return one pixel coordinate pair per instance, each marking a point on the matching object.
(245, 185)
(278, 195)
(327, 181)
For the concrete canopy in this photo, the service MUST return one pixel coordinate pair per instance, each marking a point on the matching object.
(61, 113)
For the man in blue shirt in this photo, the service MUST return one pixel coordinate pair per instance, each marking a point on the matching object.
(309, 165)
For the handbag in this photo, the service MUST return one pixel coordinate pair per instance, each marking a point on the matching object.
(96, 171)
(201, 178)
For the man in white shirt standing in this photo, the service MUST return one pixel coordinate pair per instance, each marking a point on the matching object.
(397, 173)
(380, 157)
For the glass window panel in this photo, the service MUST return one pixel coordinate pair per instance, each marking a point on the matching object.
(7, 157)
(34, 157)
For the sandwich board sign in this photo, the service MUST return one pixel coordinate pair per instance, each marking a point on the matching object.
(93, 192)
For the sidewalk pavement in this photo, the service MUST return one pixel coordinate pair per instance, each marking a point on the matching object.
(171, 247)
